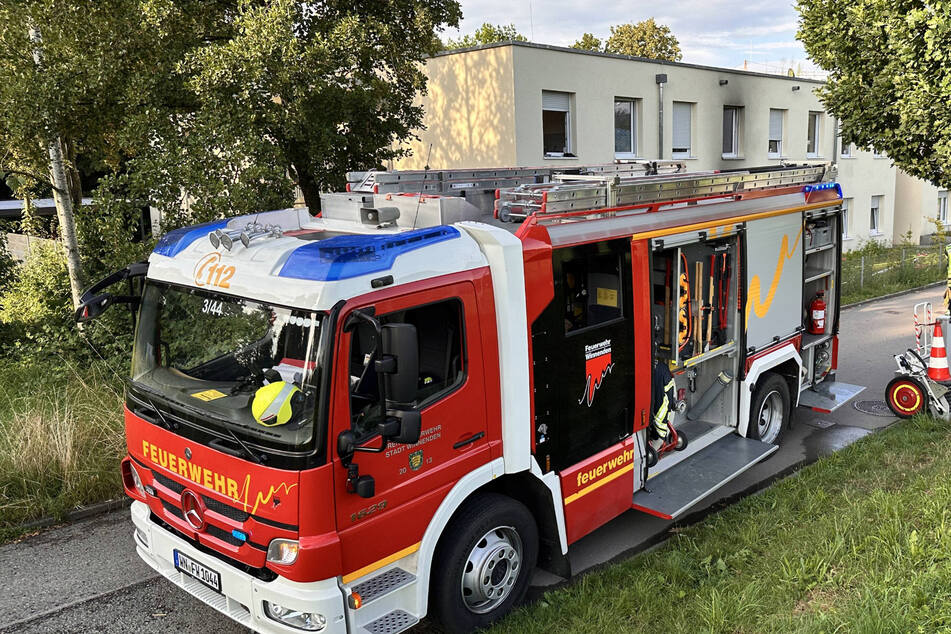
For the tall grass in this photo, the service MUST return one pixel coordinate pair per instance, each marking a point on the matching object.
(61, 437)
(875, 270)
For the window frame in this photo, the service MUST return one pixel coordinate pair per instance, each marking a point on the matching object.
(875, 215)
(814, 128)
(569, 151)
(846, 151)
(432, 399)
(736, 110)
(674, 153)
(943, 206)
(780, 142)
(635, 107)
(846, 205)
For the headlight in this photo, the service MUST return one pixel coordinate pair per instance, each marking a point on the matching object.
(283, 551)
(309, 621)
(136, 480)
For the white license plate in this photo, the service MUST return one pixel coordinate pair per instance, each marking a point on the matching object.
(198, 571)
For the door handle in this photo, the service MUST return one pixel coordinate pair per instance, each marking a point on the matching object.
(468, 441)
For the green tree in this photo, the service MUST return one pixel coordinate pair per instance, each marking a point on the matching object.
(487, 34)
(589, 42)
(889, 77)
(319, 88)
(644, 39)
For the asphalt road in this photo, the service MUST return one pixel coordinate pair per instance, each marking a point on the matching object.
(86, 577)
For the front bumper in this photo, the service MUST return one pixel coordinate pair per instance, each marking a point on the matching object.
(242, 596)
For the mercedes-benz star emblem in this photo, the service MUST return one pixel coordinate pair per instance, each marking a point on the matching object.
(188, 453)
(193, 509)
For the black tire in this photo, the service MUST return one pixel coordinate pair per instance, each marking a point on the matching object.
(487, 516)
(681, 441)
(652, 456)
(774, 389)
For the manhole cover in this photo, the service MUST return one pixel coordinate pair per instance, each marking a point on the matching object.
(821, 424)
(874, 408)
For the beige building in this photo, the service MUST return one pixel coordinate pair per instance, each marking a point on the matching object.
(524, 104)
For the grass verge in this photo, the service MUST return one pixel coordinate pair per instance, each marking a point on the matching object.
(875, 270)
(61, 436)
(857, 542)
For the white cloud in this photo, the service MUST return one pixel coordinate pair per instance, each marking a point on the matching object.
(711, 32)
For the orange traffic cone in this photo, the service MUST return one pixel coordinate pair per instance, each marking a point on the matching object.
(938, 363)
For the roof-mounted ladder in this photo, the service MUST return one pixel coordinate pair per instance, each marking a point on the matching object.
(574, 193)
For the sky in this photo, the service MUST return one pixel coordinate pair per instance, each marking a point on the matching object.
(725, 33)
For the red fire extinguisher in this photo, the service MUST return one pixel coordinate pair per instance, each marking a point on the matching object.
(817, 309)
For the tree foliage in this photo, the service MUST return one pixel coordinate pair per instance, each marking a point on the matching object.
(487, 34)
(646, 38)
(589, 42)
(889, 82)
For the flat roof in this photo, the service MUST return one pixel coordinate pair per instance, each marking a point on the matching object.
(578, 51)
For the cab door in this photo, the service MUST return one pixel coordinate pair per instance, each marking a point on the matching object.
(410, 480)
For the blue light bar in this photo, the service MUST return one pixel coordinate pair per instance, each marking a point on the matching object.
(823, 186)
(177, 240)
(239, 534)
(344, 257)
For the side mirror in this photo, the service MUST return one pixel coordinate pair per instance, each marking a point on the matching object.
(400, 362)
(404, 426)
(93, 307)
(94, 303)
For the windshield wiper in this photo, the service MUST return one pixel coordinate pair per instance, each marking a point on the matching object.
(165, 423)
(255, 457)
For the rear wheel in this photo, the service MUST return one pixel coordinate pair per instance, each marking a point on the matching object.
(770, 409)
(484, 563)
(681, 441)
(652, 456)
(906, 396)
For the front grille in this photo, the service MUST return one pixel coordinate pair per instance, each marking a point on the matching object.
(223, 509)
(174, 510)
(264, 574)
(168, 483)
(223, 535)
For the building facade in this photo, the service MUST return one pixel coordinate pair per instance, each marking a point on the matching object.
(524, 104)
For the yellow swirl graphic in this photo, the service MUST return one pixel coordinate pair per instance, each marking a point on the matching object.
(754, 296)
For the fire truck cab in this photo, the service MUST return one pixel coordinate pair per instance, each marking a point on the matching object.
(468, 357)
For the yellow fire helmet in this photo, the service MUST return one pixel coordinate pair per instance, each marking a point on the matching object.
(272, 403)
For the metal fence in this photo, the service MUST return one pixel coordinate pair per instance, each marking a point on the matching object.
(892, 269)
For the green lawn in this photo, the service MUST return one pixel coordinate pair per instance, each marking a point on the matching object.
(858, 542)
(61, 436)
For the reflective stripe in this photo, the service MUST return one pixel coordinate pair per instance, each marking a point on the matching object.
(670, 386)
(272, 410)
(661, 414)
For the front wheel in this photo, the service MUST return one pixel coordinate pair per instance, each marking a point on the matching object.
(906, 396)
(483, 563)
(769, 409)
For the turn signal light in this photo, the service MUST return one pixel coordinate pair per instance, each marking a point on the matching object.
(283, 551)
(355, 600)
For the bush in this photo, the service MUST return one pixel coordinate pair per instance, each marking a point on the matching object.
(36, 308)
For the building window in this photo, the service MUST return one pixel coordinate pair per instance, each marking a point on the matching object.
(876, 153)
(556, 123)
(874, 219)
(683, 113)
(776, 132)
(812, 142)
(943, 207)
(846, 205)
(625, 128)
(731, 131)
(846, 150)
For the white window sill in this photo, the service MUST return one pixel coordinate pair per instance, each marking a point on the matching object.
(683, 158)
(777, 157)
(879, 157)
(813, 156)
(848, 157)
(733, 157)
(875, 234)
(628, 157)
(560, 158)
(846, 238)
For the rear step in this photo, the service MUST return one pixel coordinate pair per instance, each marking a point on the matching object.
(676, 490)
(828, 396)
(391, 623)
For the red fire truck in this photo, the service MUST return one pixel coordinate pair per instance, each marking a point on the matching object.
(404, 406)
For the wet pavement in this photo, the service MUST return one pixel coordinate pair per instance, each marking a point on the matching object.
(85, 577)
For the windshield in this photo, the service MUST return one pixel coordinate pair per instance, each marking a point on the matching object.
(212, 354)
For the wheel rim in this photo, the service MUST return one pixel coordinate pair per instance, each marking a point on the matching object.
(906, 397)
(491, 569)
(770, 419)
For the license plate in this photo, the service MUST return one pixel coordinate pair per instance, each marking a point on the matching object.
(198, 571)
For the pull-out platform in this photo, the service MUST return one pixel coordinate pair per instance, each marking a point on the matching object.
(828, 396)
(676, 490)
